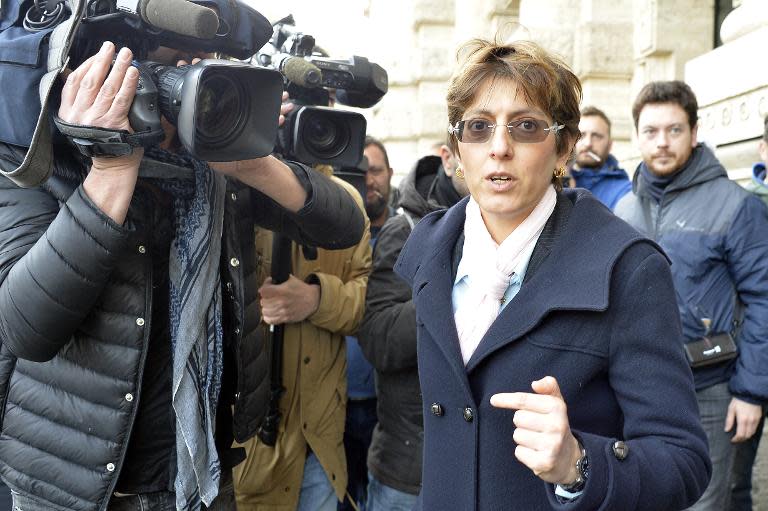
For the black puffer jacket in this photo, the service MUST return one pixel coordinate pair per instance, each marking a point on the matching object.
(388, 333)
(75, 306)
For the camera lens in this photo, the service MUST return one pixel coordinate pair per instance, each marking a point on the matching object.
(325, 137)
(221, 109)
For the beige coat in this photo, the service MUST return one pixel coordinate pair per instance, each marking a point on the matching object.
(315, 378)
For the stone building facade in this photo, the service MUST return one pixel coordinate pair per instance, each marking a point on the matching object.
(614, 46)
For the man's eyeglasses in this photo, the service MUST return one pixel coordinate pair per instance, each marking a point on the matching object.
(526, 131)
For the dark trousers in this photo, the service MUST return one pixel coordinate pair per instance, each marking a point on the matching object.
(741, 477)
(5, 497)
(358, 430)
(156, 501)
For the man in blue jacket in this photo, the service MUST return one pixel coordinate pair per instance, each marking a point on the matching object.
(741, 479)
(719, 266)
(595, 168)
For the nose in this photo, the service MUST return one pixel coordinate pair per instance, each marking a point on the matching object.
(662, 139)
(501, 142)
(369, 181)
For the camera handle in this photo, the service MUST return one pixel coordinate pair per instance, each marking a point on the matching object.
(92, 141)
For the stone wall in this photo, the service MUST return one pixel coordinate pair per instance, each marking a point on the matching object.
(614, 46)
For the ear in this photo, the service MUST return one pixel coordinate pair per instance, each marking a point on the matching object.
(446, 156)
(694, 135)
(610, 144)
(762, 148)
(562, 159)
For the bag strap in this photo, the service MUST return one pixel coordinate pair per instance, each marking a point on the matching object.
(408, 217)
(38, 162)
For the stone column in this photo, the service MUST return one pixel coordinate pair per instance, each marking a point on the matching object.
(552, 24)
(392, 47)
(603, 62)
(731, 85)
(660, 49)
(667, 34)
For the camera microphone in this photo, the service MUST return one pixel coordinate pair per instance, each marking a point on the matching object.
(301, 72)
(180, 16)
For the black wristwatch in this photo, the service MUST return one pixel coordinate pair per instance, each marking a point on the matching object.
(582, 471)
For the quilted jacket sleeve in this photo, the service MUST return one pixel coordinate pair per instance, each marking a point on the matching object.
(54, 262)
(329, 219)
(747, 257)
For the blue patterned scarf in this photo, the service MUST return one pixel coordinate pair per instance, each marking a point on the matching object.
(195, 325)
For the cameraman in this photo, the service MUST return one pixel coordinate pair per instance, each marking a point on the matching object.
(129, 314)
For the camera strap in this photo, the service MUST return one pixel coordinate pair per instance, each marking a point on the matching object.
(92, 141)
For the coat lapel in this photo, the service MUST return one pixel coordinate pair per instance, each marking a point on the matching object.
(433, 285)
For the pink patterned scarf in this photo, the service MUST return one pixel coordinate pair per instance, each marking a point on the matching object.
(491, 266)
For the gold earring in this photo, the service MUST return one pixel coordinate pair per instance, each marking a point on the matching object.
(459, 173)
(560, 172)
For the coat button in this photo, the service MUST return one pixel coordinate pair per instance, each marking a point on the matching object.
(436, 409)
(142, 249)
(140, 321)
(468, 414)
(129, 397)
(110, 467)
(233, 196)
(235, 262)
(620, 450)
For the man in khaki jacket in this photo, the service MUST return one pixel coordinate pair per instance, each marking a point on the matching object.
(321, 302)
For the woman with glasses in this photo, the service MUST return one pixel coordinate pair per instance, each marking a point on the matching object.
(549, 347)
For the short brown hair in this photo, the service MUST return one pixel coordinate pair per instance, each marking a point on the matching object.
(593, 111)
(369, 140)
(674, 91)
(544, 80)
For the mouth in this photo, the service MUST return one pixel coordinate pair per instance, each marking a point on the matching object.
(501, 182)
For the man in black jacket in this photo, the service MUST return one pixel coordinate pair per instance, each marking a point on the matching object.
(129, 312)
(388, 338)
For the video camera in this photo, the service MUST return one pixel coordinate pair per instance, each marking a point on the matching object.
(314, 133)
(224, 110)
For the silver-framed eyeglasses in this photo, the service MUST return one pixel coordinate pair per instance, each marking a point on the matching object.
(526, 131)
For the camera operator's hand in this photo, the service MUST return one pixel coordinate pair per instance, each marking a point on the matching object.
(290, 302)
(285, 108)
(268, 174)
(96, 96)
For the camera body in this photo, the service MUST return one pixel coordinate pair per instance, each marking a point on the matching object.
(232, 127)
(223, 110)
(313, 133)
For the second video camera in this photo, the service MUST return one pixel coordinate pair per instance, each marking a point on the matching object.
(314, 133)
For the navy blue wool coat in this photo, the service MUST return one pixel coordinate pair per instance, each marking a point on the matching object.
(597, 311)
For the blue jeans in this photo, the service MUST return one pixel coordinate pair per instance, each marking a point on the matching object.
(316, 491)
(155, 501)
(741, 478)
(385, 498)
(358, 431)
(713, 408)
